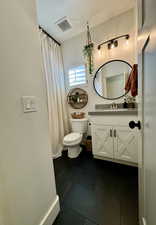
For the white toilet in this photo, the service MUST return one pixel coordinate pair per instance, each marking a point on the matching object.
(73, 140)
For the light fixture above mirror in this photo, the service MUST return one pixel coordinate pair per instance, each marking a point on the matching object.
(113, 43)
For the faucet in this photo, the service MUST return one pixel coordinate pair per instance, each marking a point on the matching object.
(114, 105)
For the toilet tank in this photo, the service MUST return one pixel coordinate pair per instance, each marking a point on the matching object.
(79, 125)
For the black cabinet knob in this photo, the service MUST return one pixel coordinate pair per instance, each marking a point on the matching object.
(133, 124)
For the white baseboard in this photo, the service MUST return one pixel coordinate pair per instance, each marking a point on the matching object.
(59, 154)
(52, 213)
(144, 221)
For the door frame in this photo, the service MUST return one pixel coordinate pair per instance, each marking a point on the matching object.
(142, 42)
(144, 39)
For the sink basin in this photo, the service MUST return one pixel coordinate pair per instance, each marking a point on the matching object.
(115, 106)
(114, 112)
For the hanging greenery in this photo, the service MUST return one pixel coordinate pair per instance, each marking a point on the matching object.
(88, 51)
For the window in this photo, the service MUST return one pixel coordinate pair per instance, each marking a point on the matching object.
(77, 76)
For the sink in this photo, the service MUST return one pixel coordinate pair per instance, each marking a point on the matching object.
(106, 109)
(116, 106)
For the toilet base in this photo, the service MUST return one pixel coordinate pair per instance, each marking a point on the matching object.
(74, 151)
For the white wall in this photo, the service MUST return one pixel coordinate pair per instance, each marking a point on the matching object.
(73, 56)
(27, 184)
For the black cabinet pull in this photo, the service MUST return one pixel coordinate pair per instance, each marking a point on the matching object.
(133, 124)
(115, 133)
(110, 132)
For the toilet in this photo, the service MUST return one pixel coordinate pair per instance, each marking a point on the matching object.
(72, 141)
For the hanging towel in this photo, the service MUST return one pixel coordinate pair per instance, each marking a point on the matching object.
(132, 82)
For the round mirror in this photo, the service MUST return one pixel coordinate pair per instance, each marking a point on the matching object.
(77, 98)
(110, 79)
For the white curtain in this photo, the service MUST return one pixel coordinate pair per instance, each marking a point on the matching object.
(57, 106)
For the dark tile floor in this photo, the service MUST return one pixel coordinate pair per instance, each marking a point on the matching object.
(96, 192)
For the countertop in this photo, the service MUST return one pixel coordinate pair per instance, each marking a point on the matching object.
(113, 112)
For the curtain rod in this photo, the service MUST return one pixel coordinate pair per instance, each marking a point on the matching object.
(49, 36)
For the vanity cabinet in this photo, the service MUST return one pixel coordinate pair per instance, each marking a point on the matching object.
(102, 141)
(113, 140)
(125, 144)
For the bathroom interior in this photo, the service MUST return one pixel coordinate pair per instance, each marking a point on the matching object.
(77, 93)
(95, 147)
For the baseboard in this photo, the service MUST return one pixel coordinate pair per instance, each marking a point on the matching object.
(116, 161)
(52, 213)
(59, 154)
(144, 221)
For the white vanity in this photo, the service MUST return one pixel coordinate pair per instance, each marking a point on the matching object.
(112, 139)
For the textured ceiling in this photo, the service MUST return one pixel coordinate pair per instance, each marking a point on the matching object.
(77, 13)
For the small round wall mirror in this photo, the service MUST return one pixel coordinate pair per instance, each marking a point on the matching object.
(110, 79)
(77, 98)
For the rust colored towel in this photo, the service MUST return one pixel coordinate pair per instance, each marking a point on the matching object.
(132, 82)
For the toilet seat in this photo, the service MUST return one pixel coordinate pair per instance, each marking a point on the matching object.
(72, 139)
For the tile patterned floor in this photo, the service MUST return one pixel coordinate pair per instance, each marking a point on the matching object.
(96, 192)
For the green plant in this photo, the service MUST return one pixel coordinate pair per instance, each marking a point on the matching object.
(88, 51)
(88, 54)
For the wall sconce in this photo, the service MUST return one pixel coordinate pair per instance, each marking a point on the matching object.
(112, 43)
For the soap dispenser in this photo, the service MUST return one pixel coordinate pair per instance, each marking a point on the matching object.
(125, 105)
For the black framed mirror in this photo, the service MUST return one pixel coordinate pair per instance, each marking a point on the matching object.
(110, 79)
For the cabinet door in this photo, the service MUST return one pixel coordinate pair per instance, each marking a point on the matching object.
(125, 144)
(102, 140)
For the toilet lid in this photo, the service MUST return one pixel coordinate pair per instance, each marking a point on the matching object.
(72, 137)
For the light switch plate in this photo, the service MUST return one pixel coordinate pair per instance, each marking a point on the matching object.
(29, 104)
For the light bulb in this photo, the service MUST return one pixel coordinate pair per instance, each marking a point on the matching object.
(112, 45)
(99, 52)
(127, 42)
